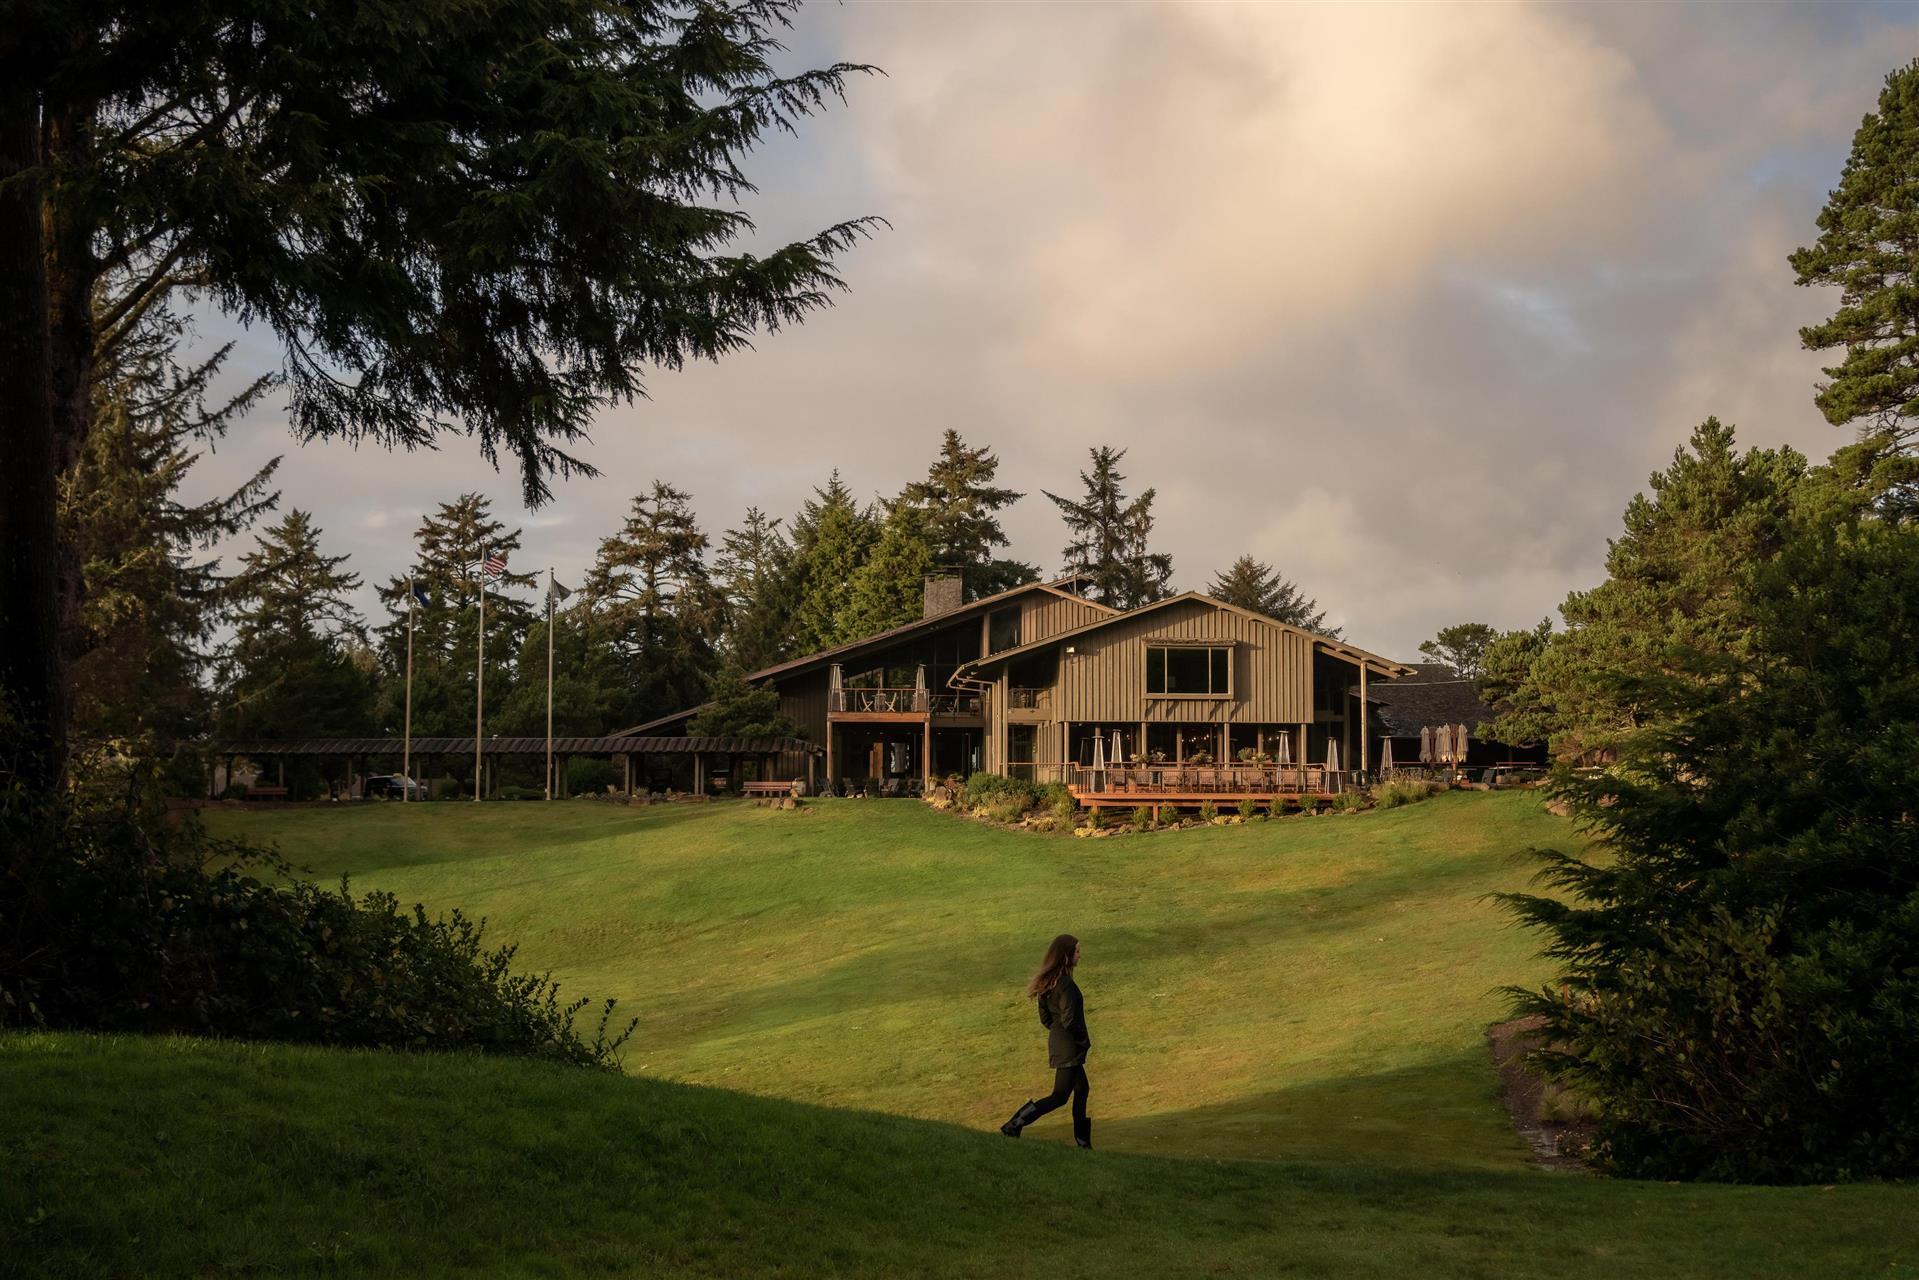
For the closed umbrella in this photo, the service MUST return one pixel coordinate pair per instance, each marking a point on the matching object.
(1386, 757)
(1426, 753)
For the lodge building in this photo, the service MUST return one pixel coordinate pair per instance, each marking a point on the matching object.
(1041, 683)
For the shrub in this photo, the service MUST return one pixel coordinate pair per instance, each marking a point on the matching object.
(110, 919)
(1057, 800)
(1142, 819)
(1248, 809)
(1002, 808)
(1347, 802)
(1096, 819)
(589, 774)
(1391, 795)
(1208, 811)
(984, 787)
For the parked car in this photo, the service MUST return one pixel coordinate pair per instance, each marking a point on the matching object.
(393, 785)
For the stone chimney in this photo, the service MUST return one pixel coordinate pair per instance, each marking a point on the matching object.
(944, 594)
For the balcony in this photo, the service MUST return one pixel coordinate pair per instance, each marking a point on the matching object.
(893, 703)
(1027, 705)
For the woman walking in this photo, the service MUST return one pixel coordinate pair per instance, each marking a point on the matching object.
(1062, 1011)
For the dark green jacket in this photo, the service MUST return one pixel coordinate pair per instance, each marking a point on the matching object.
(1062, 1011)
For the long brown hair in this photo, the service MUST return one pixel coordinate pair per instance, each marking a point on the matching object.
(1057, 964)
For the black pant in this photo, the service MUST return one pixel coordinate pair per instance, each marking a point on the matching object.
(1068, 1082)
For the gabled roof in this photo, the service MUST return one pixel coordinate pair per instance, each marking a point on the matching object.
(1432, 695)
(1337, 648)
(884, 638)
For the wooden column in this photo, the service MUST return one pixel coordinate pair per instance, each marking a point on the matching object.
(626, 775)
(1299, 756)
(1365, 734)
(1226, 743)
(926, 755)
(699, 774)
(832, 778)
(280, 765)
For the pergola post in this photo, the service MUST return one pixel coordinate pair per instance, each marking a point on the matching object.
(830, 735)
(699, 773)
(1365, 729)
(926, 752)
(280, 764)
(626, 775)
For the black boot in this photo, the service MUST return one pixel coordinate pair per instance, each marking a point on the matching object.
(1021, 1118)
(1083, 1132)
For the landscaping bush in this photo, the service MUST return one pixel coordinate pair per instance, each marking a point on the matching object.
(1248, 809)
(112, 919)
(1347, 802)
(1391, 795)
(1056, 799)
(984, 787)
(1142, 819)
(1208, 811)
(1096, 819)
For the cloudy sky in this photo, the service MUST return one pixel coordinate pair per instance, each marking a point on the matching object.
(1406, 300)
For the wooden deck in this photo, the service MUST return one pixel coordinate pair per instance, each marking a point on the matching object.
(1159, 798)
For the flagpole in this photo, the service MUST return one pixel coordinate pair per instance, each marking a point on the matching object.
(479, 687)
(549, 682)
(406, 744)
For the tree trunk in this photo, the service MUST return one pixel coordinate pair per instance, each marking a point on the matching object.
(30, 678)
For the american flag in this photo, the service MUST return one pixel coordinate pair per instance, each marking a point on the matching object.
(495, 564)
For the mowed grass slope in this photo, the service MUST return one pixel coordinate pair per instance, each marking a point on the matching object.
(163, 1157)
(1310, 988)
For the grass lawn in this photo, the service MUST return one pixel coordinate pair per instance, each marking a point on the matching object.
(1290, 1076)
(1312, 987)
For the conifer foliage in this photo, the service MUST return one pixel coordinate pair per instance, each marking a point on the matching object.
(1868, 249)
(1257, 586)
(959, 508)
(1110, 536)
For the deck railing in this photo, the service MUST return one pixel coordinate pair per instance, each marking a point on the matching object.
(1229, 779)
(877, 700)
(1024, 699)
(901, 700)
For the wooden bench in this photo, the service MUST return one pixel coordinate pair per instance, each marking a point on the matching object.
(766, 789)
(266, 793)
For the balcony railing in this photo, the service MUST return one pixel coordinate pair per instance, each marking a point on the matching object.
(903, 701)
(878, 700)
(1020, 699)
(956, 704)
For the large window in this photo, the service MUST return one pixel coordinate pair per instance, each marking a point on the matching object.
(1189, 671)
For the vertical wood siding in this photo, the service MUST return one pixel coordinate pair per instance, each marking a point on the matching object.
(1106, 678)
(1044, 614)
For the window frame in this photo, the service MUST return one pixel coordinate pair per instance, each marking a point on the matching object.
(1208, 646)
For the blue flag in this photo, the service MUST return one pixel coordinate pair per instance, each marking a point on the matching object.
(419, 593)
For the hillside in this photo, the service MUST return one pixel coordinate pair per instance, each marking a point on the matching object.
(164, 1157)
(1310, 987)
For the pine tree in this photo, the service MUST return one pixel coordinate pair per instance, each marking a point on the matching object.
(1460, 647)
(655, 603)
(1868, 248)
(754, 572)
(1110, 536)
(138, 646)
(299, 666)
(450, 545)
(889, 588)
(1255, 585)
(486, 226)
(831, 538)
(959, 506)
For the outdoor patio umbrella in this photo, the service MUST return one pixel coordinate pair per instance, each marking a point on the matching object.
(1426, 752)
(1386, 757)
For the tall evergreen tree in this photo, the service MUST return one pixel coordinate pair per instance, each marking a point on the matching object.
(453, 224)
(1868, 249)
(299, 666)
(450, 545)
(138, 648)
(1670, 589)
(959, 506)
(1460, 647)
(888, 590)
(1255, 585)
(655, 603)
(831, 538)
(737, 708)
(755, 574)
(1110, 535)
